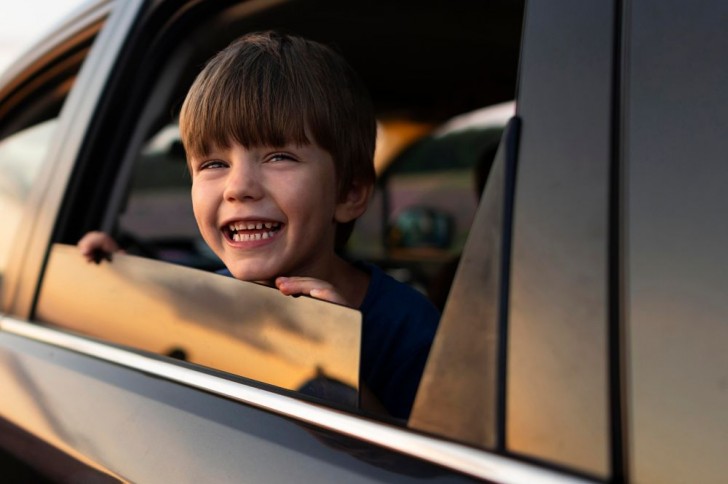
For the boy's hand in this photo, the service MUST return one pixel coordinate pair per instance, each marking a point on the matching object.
(95, 246)
(316, 288)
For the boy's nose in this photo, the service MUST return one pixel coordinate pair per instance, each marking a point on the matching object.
(243, 183)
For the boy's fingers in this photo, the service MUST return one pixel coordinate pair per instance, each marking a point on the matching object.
(97, 255)
(96, 246)
(316, 288)
(329, 295)
(298, 285)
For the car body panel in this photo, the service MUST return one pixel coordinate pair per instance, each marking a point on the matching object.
(676, 312)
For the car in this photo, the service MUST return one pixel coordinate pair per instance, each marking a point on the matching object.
(551, 173)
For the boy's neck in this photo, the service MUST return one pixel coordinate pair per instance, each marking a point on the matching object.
(351, 281)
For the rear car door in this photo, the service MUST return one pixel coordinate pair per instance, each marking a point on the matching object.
(556, 357)
(82, 402)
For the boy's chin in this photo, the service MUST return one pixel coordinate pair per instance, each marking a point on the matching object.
(251, 275)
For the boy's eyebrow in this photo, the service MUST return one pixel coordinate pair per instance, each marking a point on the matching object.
(208, 152)
(194, 159)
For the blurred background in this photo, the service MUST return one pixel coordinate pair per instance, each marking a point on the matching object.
(23, 22)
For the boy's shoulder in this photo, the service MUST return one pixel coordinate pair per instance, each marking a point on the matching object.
(398, 328)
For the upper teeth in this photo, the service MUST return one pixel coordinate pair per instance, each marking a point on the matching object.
(252, 225)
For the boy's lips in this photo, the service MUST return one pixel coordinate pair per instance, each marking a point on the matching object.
(251, 230)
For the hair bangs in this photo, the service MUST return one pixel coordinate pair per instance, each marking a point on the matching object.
(271, 89)
(253, 103)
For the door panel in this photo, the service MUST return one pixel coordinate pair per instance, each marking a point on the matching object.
(141, 428)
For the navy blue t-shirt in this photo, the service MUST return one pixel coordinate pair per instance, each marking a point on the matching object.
(398, 326)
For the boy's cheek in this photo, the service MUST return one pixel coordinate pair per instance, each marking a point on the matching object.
(208, 231)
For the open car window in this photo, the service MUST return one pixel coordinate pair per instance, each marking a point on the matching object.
(162, 296)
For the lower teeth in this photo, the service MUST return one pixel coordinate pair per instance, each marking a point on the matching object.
(238, 237)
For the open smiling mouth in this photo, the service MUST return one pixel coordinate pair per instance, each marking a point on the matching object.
(247, 231)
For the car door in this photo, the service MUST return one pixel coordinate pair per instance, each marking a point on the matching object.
(551, 362)
(109, 407)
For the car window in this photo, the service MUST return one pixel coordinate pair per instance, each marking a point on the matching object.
(34, 93)
(425, 201)
(473, 325)
(29, 114)
(21, 157)
(140, 190)
(241, 328)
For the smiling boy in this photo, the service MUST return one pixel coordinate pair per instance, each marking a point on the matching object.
(279, 134)
(268, 211)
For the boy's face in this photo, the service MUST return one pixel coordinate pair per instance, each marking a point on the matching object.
(268, 212)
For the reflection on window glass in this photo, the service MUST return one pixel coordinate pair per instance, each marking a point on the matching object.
(21, 156)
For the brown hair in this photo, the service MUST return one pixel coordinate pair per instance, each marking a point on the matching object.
(268, 88)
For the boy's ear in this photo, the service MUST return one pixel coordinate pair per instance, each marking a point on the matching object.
(355, 203)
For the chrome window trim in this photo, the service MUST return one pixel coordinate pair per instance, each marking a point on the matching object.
(458, 457)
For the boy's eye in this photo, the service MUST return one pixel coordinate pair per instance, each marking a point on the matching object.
(212, 164)
(281, 157)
